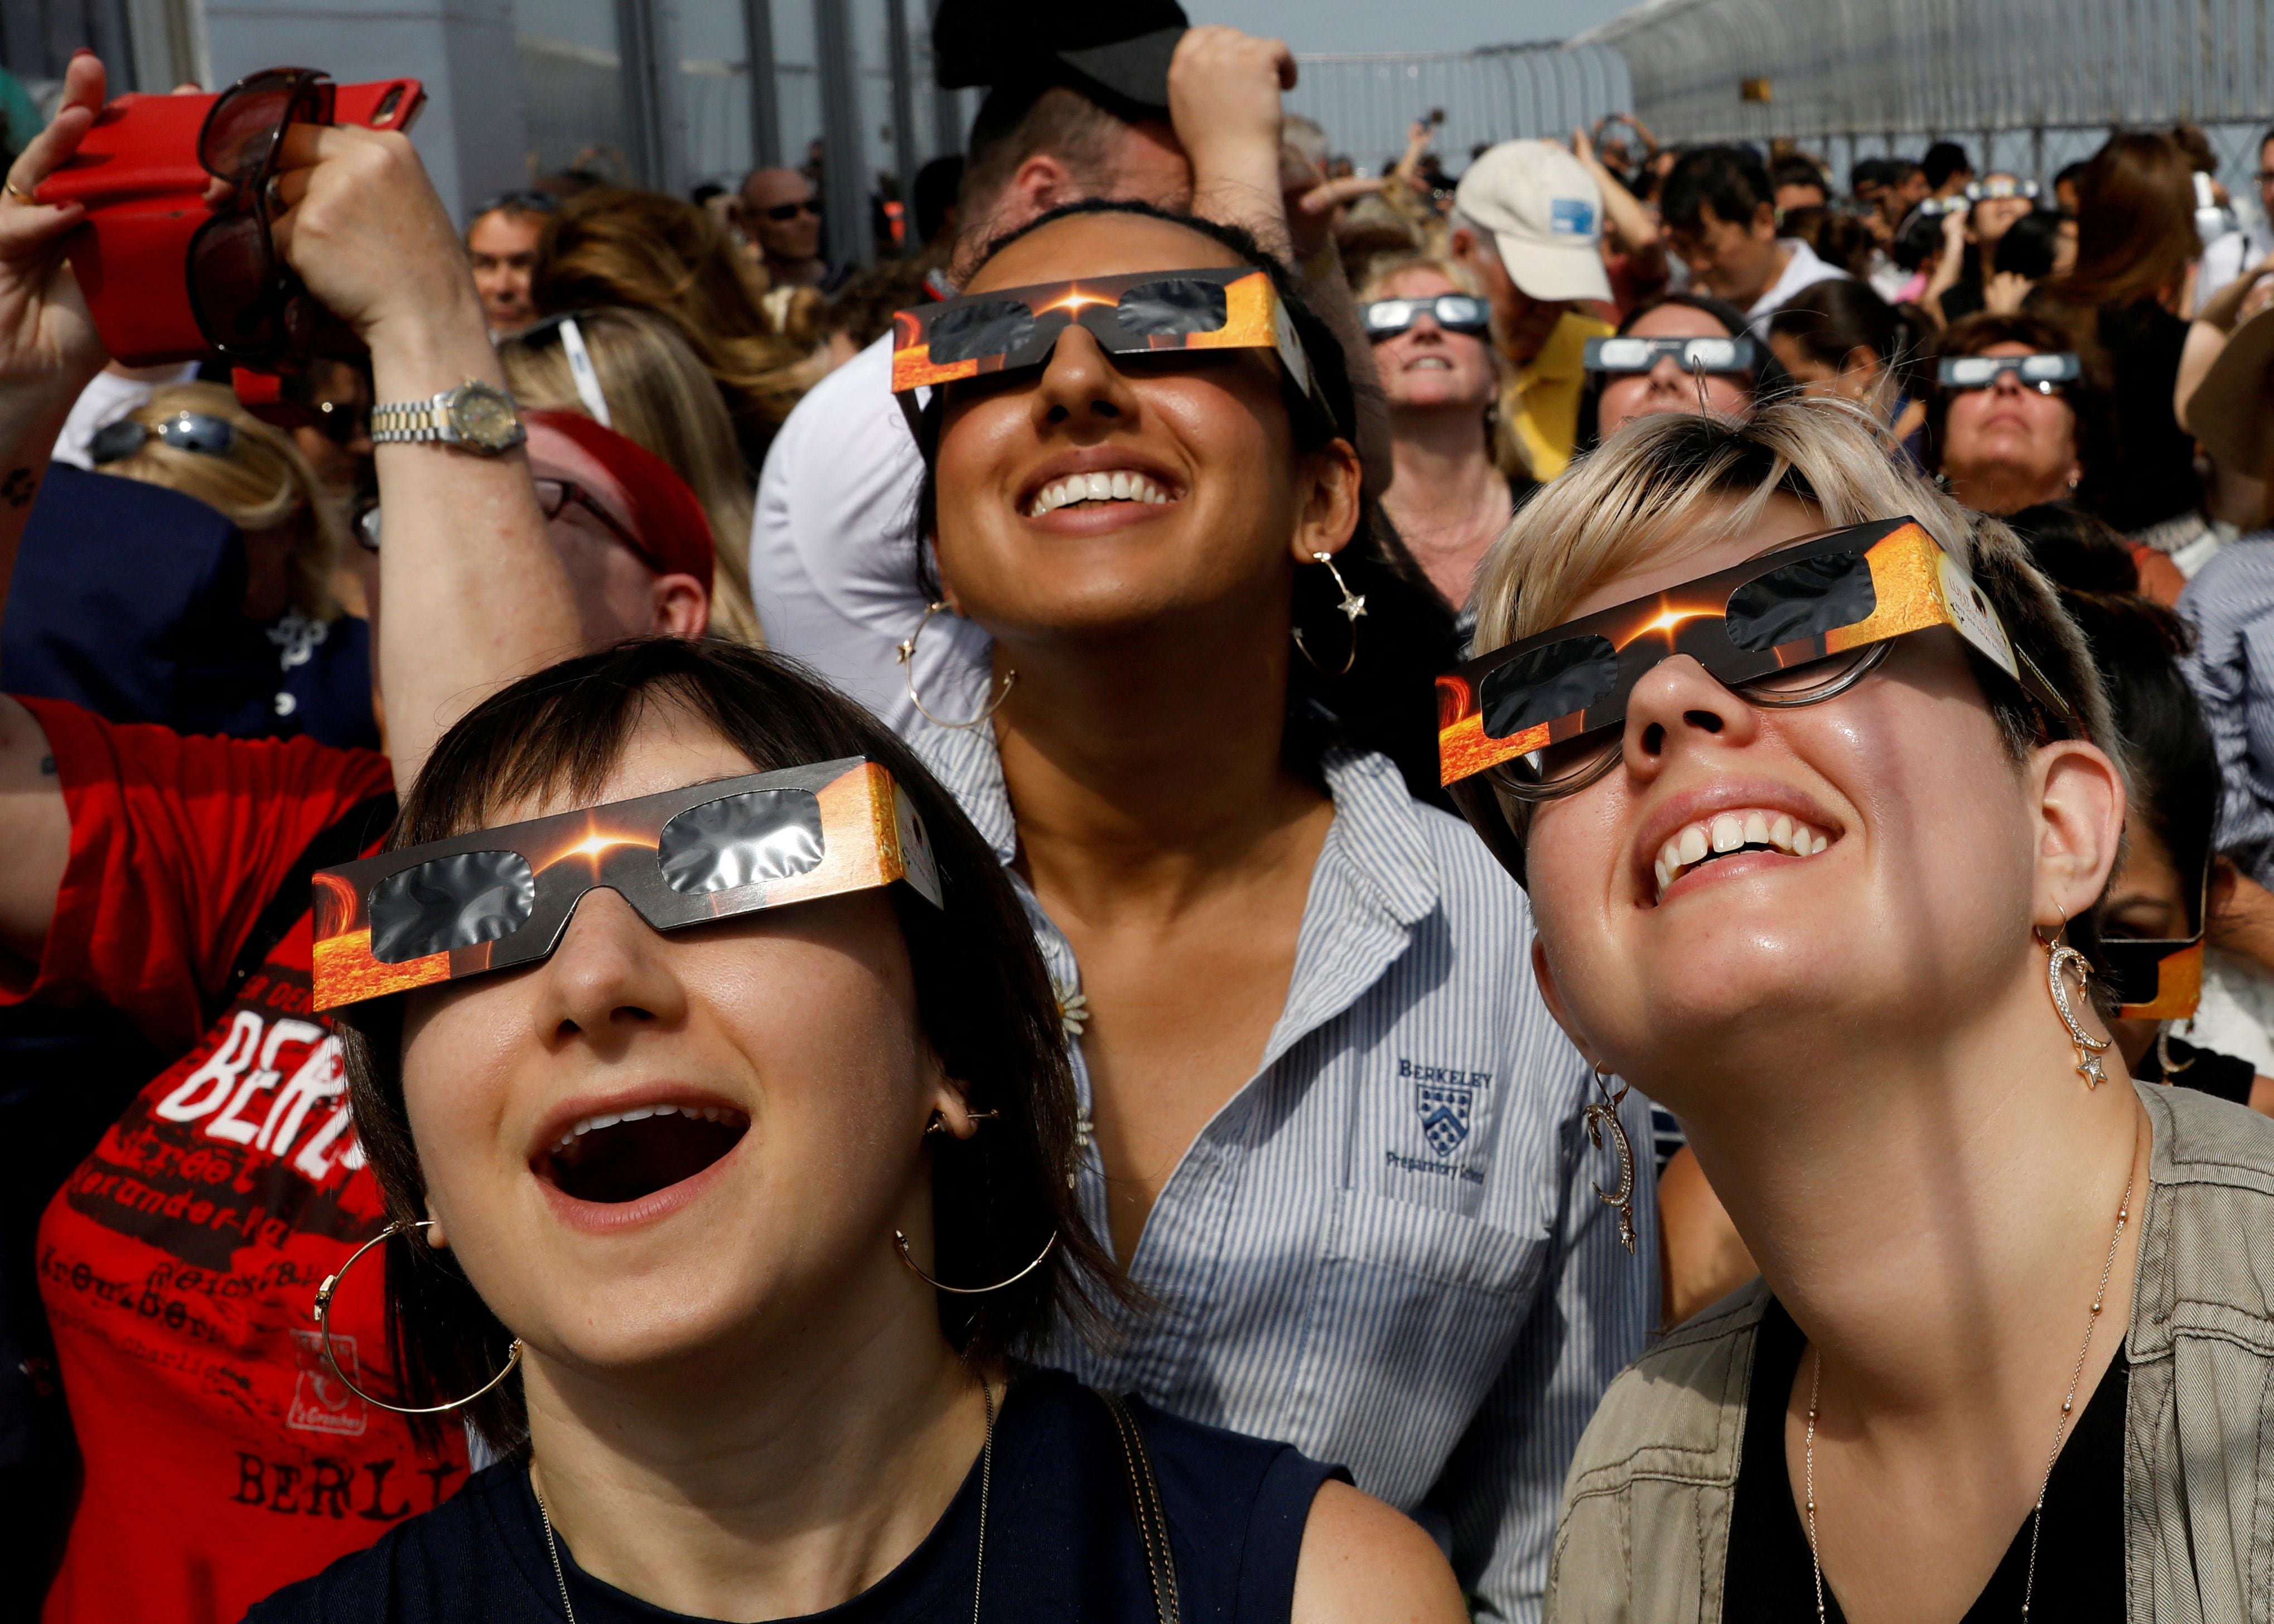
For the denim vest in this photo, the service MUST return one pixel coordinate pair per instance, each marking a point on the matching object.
(1644, 1532)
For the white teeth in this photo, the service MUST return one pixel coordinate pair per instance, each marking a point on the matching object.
(1734, 831)
(640, 1113)
(1121, 484)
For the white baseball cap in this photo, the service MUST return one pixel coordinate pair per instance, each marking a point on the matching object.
(1545, 213)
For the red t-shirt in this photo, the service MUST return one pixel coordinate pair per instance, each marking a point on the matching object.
(179, 1262)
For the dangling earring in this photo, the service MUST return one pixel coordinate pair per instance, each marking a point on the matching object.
(906, 653)
(2059, 958)
(324, 1319)
(1602, 1115)
(1353, 605)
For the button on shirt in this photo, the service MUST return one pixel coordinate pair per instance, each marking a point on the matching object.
(2230, 604)
(1385, 1248)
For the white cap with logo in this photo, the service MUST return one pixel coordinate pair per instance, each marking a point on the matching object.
(1543, 210)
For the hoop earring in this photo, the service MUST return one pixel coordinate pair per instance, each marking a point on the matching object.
(2059, 958)
(1353, 606)
(324, 1319)
(1604, 1114)
(905, 654)
(900, 1245)
(939, 1123)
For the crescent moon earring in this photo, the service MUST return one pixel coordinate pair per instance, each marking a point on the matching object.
(2061, 959)
(1602, 1116)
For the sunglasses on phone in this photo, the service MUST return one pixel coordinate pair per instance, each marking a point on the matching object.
(1543, 717)
(248, 303)
(1016, 329)
(500, 899)
(1691, 354)
(2042, 372)
(1456, 312)
(185, 430)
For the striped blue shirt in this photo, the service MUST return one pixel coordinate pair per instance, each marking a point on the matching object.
(1385, 1248)
(2230, 604)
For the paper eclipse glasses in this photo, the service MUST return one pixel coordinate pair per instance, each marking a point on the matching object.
(1011, 329)
(1979, 371)
(1628, 353)
(498, 898)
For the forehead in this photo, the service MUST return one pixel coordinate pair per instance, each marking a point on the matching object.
(2007, 346)
(776, 186)
(1708, 539)
(1677, 321)
(664, 748)
(1102, 244)
(505, 231)
(1418, 281)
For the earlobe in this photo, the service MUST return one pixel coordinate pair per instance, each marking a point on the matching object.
(682, 607)
(436, 1235)
(1330, 514)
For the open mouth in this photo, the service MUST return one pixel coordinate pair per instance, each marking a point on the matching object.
(1117, 485)
(617, 1157)
(1728, 834)
(1429, 364)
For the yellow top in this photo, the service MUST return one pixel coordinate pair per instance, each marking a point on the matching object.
(1541, 408)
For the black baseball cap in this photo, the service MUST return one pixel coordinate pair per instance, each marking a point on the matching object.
(1122, 51)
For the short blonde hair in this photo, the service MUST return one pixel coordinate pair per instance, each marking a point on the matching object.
(660, 397)
(263, 483)
(1641, 496)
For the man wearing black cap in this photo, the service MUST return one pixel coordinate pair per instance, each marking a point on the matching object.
(1123, 101)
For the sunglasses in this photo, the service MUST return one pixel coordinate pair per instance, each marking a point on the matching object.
(1015, 329)
(248, 303)
(1456, 312)
(187, 431)
(1545, 717)
(500, 899)
(554, 496)
(786, 212)
(2043, 373)
(1691, 354)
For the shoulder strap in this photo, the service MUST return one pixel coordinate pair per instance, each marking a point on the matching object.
(1144, 1506)
(343, 840)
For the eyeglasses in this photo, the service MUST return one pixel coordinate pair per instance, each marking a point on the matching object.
(1691, 354)
(2044, 372)
(786, 212)
(554, 496)
(1543, 717)
(499, 899)
(1456, 312)
(1016, 329)
(187, 431)
(248, 303)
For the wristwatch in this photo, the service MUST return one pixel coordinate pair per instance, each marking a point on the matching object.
(477, 417)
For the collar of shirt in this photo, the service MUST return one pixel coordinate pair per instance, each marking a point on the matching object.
(1804, 269)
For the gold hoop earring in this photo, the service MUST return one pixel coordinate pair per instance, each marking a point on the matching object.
(324, 1319)
(900, 1245)
(2059, 958)
(905, 654)
(1599, 1116)
(1353, 606)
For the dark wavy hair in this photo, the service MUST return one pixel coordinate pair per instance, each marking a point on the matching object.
(1385, 702)
(983, 995)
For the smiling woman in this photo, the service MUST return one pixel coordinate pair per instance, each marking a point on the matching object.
(1815, 787)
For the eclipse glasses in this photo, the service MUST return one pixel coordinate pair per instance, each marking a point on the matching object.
(1456, 312)
(1691, 354)
(2043, 372)
(500, 899)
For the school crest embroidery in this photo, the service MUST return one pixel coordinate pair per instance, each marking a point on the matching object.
(1444, 1110)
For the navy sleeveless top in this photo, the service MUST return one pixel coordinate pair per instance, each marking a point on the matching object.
(1062, 1543)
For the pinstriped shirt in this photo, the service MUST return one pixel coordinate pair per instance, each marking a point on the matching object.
(1385, 1248)
(2230, 604)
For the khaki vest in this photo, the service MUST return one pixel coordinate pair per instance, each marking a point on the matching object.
(1643, 1537)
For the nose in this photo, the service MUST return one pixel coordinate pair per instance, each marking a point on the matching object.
(1667, 375)
(1081, 387)
(2007, 383)
(610, 977)
(1679, 706)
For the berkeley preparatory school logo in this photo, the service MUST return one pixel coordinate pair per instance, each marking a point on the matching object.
(1443, 1108)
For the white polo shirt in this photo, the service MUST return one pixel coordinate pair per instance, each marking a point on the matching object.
(1802, 270)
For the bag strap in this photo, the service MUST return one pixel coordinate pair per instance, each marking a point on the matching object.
(343, 840)
(1145, 1504)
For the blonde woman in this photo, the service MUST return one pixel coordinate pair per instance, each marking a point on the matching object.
(632, 372)
(1812, 783)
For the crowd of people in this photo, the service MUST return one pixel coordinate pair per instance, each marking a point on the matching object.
(1534, 893)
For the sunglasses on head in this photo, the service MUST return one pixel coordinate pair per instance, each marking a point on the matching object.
(248, 303)
(184, 430)
(2043, 373)
(499, 899)
(1456, 312)
(1545, 717)
(1691, 354)
(1015, 329)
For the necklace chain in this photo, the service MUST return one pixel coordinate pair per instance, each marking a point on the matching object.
(2060, 1426)
(979, 1568)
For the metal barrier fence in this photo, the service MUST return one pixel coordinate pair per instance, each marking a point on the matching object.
(1366, 101)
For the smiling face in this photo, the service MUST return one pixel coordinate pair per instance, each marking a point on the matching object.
(645, 1149)
(1668, 386)
(1425, 367)
(2009, 445)
(1744, 865)
(1193, 504)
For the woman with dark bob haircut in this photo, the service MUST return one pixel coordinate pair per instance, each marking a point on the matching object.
(1815, 790)
(723, 1216)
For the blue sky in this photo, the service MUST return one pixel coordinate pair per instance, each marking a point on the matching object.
(1388, 24)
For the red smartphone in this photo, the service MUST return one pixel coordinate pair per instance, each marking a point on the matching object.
(138, 175)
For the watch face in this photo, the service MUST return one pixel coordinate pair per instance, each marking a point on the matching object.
(485, 417)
